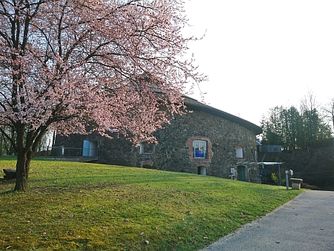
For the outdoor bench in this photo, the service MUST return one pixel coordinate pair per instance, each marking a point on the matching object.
(296, 183)
(9, 174)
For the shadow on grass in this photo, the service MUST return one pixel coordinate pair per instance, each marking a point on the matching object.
(8, 192)
(7, 182)
(4, 181)
(11, 191)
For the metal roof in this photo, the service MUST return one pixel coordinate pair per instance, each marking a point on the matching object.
(196, 105)
(270, 163)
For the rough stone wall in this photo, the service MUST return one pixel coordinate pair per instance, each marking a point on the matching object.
(117, 150)
(172, 151)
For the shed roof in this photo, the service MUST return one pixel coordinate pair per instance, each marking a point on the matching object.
(196, 105)
(270, 163)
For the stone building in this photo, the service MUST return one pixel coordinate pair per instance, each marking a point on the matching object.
(205, 140)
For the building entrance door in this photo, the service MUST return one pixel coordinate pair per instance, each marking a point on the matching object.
(241, 173)
(201, 170)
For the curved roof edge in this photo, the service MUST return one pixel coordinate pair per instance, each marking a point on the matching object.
(196, 105)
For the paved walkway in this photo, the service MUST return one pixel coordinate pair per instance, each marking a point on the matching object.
(306, 223)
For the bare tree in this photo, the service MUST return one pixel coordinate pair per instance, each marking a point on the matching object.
(309, 102)
(328, 111)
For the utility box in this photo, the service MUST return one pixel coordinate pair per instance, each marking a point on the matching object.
(296, 183)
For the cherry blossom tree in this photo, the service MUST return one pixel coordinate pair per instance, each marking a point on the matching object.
(89, 66)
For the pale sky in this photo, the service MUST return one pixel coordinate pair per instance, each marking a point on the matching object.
(259, 54)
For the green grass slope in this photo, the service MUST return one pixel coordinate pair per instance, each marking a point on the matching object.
(77, 206)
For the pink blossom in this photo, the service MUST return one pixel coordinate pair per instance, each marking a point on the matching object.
(91, 65)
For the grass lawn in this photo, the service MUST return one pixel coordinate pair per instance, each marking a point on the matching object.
(79, 206)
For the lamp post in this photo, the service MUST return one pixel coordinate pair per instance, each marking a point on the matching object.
(287, 173)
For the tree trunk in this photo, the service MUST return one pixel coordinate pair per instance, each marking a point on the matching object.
(1, 145)
(25, 149)
(22, 170)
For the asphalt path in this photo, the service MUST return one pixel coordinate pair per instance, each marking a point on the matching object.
(305, 223)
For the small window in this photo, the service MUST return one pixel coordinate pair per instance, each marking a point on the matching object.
(239, 152)
(145, 148)
(200, 149)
